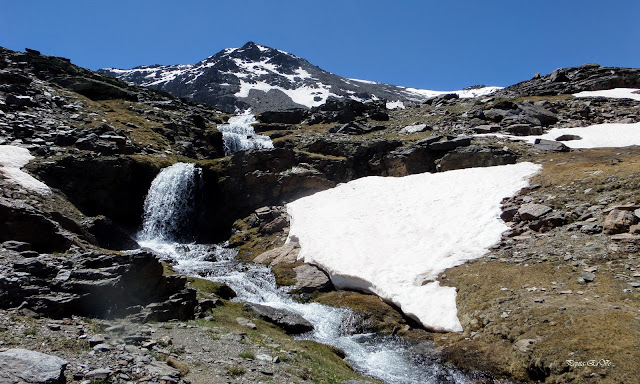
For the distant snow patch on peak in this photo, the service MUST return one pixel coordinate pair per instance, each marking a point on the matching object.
(307, 95)
(365, 81)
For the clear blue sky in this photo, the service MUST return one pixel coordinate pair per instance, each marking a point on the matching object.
(442, 45)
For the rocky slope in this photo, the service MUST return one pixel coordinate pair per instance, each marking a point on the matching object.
(264, 79)
(561, 285)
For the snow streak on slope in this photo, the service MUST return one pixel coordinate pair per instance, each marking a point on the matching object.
(616, 93)
(393, 236)
(609, 135)
(13, 158)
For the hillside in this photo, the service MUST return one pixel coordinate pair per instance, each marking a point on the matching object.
(79, 151)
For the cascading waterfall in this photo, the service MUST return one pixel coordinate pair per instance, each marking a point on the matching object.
(238, 135)
(169, 203)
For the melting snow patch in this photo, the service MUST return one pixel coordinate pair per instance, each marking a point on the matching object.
(616, 93)
(395, 105)
(594, 136)
(393, 236)
(13, 158)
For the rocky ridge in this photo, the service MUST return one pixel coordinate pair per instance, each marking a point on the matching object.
(58, 250)
(263, 79)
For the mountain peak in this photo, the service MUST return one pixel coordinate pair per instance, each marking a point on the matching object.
(261, 78)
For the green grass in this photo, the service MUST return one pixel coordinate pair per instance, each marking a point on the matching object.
(235, 371)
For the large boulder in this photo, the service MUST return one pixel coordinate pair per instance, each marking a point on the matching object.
(22, 366)
(291, 322)
(618, 221)
(476, 156)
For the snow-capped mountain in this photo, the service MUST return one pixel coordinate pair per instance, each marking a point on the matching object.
(263, 78)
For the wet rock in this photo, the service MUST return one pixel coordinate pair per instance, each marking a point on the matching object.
(618, 221)
(550, 145)
(22, 366)
(291, 322)
(533, 211)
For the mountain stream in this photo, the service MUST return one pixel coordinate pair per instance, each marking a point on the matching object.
(167, 211)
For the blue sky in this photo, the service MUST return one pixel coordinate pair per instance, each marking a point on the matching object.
(442, 45)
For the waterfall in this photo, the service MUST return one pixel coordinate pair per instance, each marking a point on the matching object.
(238, 135)
(168, 211)
(170, 204)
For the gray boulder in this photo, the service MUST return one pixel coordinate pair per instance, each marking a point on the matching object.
(310, 278)
(22, 366)
(291, 322)
(550, 145)
(533, 211)
(618, 221)
(476, 156)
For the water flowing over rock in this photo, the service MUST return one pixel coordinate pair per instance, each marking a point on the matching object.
(239, 135)
(170, 203)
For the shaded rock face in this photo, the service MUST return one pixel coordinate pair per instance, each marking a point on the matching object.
(573, 80)
(114, 187)
(22, 366)
(93, 284)
(22, 222)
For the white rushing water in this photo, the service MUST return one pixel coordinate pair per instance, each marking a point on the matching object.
(168, 206)
(238, 135)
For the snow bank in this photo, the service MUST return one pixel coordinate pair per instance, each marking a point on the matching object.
(594, 136)
(393, 236)
(616, 93)
(13, 158)
(395, 105)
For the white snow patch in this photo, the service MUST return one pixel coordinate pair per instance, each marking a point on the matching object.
(616, 93)
(365, 81)
(395, 104)
(305, 95)
(13, 158)
(609, 135)
(463, 93)
(393, 236)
